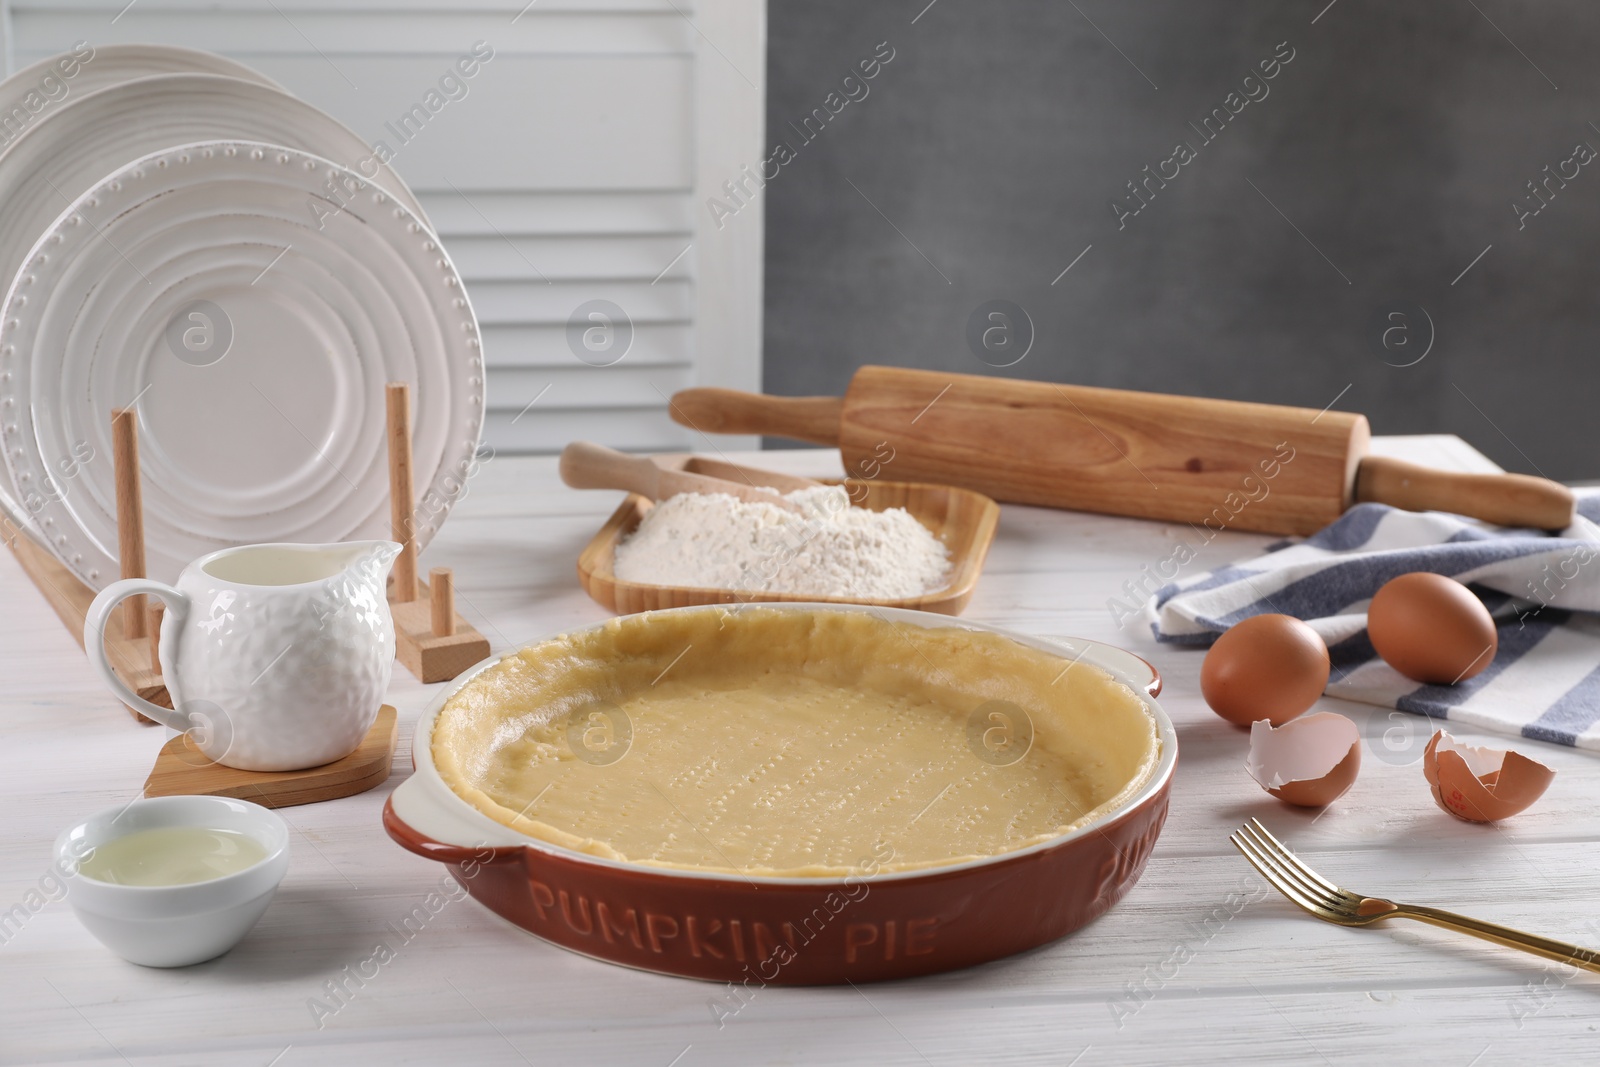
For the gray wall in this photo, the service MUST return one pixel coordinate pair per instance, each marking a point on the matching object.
(1391, 148)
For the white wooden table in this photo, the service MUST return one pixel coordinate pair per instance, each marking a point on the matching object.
(1200, 962)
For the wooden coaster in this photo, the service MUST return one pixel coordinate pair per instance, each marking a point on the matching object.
(181, 770)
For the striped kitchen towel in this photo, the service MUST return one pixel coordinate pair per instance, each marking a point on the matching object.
(1543, 591)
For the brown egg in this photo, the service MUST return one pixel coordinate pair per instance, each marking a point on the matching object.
(1270, 667)
(1482, 784)
(1431, 628)
(1310, 762)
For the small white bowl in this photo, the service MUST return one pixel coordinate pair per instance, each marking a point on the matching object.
(174, 926)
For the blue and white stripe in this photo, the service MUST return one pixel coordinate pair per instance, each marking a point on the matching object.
(1543, 591)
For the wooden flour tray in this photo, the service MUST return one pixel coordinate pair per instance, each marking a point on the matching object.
(963, 520)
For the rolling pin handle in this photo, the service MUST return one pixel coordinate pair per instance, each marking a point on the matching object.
(1503, 499)
(805, 418)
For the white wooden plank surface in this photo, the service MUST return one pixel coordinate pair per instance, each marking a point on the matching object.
(580, 386)
(631, 429)
(259, 30)
(599, 212)
(730, 68)
(1160, 979)
(552, 122)
(641, 257)
(520, 345)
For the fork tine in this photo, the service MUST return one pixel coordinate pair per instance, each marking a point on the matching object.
(1293, 892)
(1343, 898)
(1291, 868)
(1288, 853)
(1289, 890)
(1268, 865)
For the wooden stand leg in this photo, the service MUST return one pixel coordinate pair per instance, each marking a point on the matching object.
(433, 642)
(442, 598)
(156, 611)
(130, 512)
(402, 500)
(69, 599)
(127, 647)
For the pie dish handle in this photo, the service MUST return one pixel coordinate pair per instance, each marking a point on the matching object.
(411, 839)
(94, 643)
(1135, 667)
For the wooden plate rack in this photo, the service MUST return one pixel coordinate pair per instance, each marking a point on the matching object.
(432, 640)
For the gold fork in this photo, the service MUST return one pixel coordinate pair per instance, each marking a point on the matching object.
(1326, 901)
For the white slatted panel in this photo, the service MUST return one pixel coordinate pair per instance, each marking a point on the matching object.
(567, 172)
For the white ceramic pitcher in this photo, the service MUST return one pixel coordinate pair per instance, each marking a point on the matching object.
(277, 657)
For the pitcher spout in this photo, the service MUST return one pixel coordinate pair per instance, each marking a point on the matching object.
(372, 558)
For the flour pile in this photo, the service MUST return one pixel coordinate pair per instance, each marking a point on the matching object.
(827, 548)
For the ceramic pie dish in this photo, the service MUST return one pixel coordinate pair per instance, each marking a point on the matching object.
(794, 794)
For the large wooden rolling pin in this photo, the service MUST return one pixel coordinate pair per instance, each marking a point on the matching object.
(1221, 464)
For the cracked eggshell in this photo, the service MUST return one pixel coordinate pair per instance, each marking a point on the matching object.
(1309, 762)
(1482, 784)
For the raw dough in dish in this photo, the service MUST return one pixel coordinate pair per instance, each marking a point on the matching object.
(785, 742)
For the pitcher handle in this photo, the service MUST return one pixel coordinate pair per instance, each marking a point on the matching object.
(95, 644)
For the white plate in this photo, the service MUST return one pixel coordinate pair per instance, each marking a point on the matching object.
(70, 146)
(40, 88)
(276, 435)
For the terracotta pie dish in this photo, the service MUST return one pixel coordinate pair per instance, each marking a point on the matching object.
(793, 794)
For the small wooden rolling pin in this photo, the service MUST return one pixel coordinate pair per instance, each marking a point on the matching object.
(585, 465)
(1224, 463)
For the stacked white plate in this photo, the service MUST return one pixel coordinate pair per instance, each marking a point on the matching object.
(181, 236)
